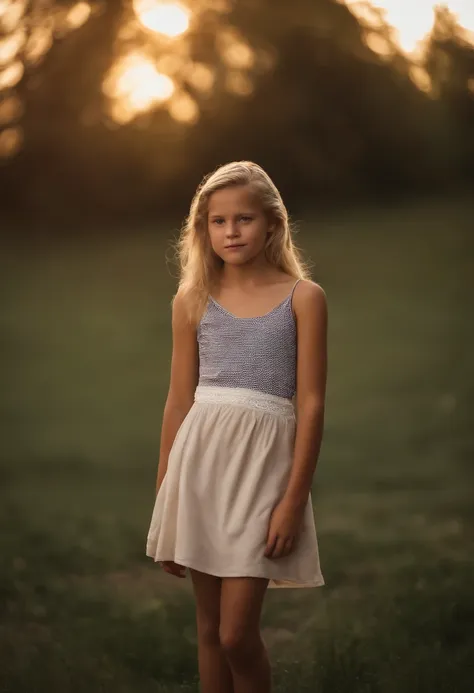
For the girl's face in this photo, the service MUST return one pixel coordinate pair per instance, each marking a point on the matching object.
(237, 224)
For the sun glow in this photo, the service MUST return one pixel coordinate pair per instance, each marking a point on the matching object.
(160, 31)
(11, 14)
(78, 15)
(135, 85)
(156, 63)
(168, 18)
(411, 20)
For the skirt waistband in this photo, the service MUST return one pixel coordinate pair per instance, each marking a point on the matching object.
(254, 399)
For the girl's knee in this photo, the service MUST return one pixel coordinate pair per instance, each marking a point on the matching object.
(208, 631)
(238, 643)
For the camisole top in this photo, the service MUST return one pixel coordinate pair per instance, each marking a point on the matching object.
(255, 353)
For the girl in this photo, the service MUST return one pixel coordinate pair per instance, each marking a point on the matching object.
(243, 422)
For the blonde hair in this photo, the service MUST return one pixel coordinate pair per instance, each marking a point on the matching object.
(200, 265)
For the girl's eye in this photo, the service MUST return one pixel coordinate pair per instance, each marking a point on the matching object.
(220, 221)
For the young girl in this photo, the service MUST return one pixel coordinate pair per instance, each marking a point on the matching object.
(243, 422)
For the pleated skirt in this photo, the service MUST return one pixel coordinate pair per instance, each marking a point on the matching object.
(228, 468)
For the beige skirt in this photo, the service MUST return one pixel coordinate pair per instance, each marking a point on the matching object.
(228, 468)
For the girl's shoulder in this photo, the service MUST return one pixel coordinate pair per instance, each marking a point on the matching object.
(309, 296)
(183, 309)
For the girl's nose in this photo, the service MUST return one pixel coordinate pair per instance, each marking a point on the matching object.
(231, 229)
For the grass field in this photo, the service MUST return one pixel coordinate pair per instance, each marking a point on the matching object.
(85, 329)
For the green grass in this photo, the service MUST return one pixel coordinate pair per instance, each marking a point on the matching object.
(85, 352)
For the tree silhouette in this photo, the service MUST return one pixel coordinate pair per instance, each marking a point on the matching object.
(327, 101)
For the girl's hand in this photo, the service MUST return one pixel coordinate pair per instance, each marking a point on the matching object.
(285, 523)
(173, 568)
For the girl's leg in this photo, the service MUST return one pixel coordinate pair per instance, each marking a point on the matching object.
(241, 605)
(214, 672)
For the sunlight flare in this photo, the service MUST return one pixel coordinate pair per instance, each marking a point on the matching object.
(11, 75)
(183, 108)
(39, 43)
(235, 52)
(168, 18)
(11, 46)
(411, 21)
(421, 78)
(78, 15)
(136, 85)
(201, 77)
(11, 14)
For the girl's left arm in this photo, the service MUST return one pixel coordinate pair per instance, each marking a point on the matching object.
(310, 307)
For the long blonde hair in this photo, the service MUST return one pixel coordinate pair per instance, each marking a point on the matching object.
(200, 265)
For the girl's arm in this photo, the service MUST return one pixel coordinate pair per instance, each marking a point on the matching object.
(183, 381)
(311, 372)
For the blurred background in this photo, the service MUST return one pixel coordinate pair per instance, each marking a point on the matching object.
(110, 114)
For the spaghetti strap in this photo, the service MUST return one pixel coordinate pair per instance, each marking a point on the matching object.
(294, 287)
(292, 292)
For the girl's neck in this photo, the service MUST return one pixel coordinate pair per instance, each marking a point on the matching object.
(247, 275)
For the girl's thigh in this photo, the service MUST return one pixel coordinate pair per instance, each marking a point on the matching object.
(241, 607)
(207, 592)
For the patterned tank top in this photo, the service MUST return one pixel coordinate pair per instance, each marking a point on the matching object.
(256, 353)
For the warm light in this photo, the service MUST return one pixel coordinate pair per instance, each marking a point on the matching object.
(184, 109)
(421, 78)
(412, 20)
(11, 109)
(143, 84)
(167, 70)
(379, 44)
(122, 113)
(11, 141)
(223, 6)
(10, 46)
(238, 83)
(168, 18)
(11, 14)
(234, 51)
(11, 75)
(170, 64)
(39, 43)
(201, 77)
(78, 15)
(136, 85)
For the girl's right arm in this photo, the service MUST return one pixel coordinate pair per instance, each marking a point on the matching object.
(183, 381)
